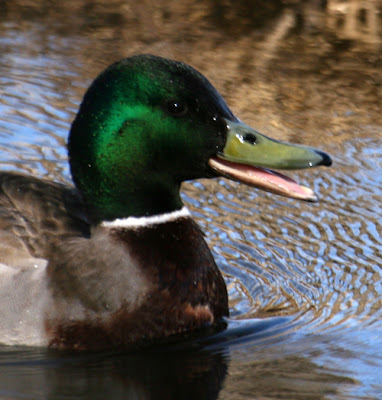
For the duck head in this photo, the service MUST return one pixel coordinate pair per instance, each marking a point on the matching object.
(146, 124)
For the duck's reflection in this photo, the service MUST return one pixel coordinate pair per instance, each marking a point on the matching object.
(157, 374)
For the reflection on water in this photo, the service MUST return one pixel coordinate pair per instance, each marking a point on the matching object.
(357, 20)
(305, 280)
(158, 374)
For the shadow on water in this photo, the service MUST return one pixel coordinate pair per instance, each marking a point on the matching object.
(304, 280)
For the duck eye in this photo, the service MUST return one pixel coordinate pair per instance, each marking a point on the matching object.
(175, 107)
(250, 138)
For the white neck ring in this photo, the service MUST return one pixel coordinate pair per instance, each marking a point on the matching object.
(140, 222)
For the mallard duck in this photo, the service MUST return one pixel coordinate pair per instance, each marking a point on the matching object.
(117, 260)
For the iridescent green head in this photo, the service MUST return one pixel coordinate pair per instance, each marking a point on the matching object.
(145, 125)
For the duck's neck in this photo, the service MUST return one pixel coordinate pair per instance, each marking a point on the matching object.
(141, 201)
(133, 199)
(140, 222)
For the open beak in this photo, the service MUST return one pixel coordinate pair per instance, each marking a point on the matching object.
(248, 154)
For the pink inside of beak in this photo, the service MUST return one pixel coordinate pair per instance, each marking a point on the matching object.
(262, 178)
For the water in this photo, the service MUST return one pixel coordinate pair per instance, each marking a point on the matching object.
(305, 280)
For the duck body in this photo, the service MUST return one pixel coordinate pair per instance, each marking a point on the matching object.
(116, 260)
(55, 290)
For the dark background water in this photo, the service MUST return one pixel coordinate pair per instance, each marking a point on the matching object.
(305, 280)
